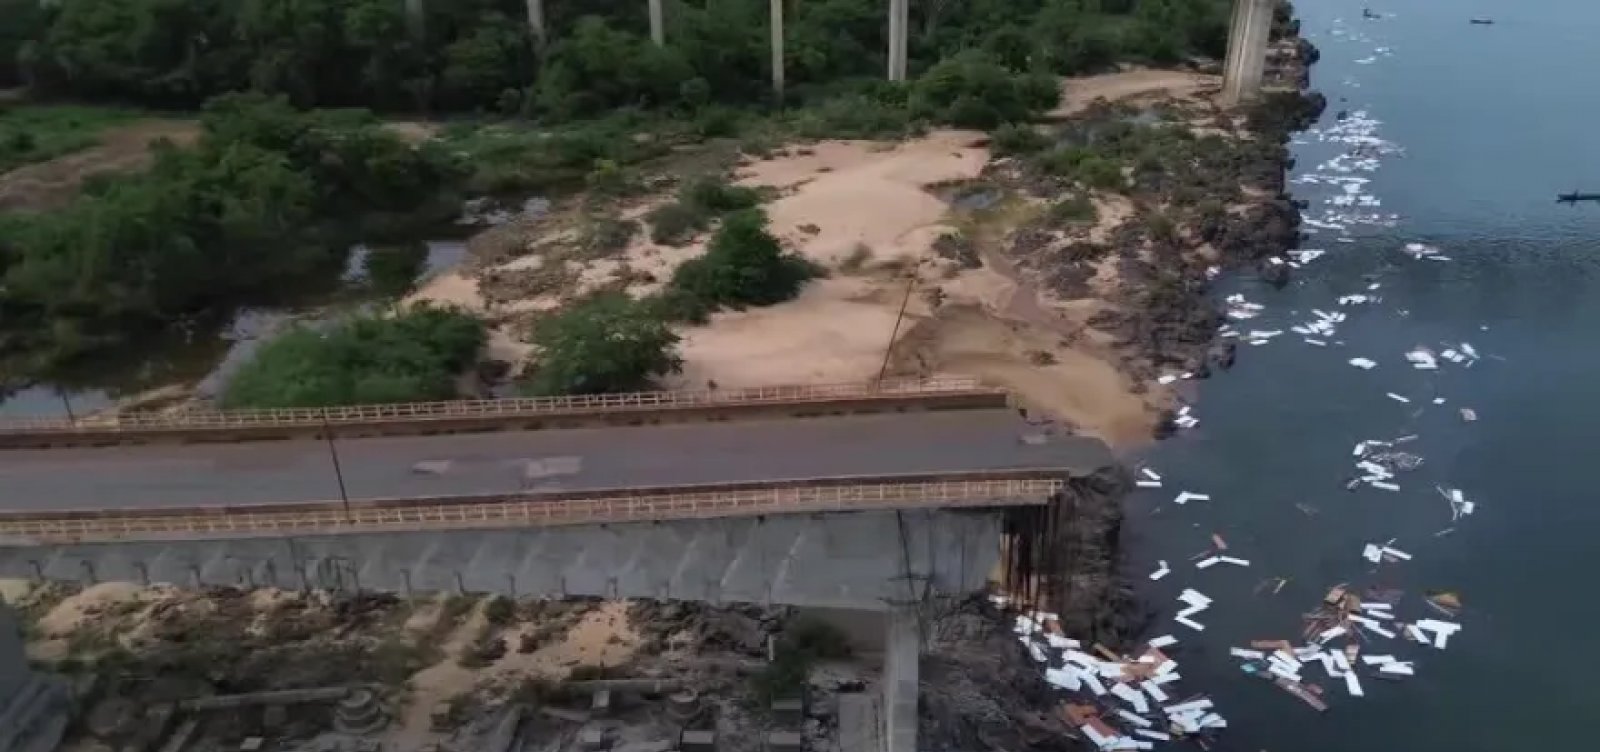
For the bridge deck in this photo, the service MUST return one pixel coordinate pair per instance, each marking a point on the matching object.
(150, 477)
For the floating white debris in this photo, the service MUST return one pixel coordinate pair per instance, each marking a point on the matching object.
(1207, 562)
(1066, 678)
(1039, 656)
(1422, 359)
(1397, 668)
(1468, 414)
(1133, 718)
(1396, 397)
(1154, 690)
(1190, 623)
(1352, 683)
(1396, 553)
(1161, 571)
(1330, 633)
(1383, 484)
(1151, 474)
(1131, 696)
(1166, 378)
(1441, 630)
(1246, 653)
(1147, 483)
(1372, 553)
(1163, 641)
(1157, 735)
(1061, 643)
(1363, 363)
(1188, 496)
(1234, 561)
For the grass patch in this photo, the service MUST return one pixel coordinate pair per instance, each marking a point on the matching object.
(36, 133)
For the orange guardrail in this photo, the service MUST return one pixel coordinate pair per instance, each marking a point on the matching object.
(978, 489)
(512, 407)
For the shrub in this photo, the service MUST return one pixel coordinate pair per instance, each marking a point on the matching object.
(675, 223)
(744, 266)
(1012, 139)
(416, 355)
(1074, 208)
(605, 343)
(698, 202)
(972, 90)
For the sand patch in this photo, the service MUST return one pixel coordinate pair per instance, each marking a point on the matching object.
(77, 609)
(1046, 375)
(1077, 94)
(840, 195)
(836, 331)
(602, 638)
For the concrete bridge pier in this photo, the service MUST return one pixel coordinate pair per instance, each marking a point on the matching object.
(1248, 35)
(414, 17)
(899, 23)
(777, 48)
(536, 25)
(901, 676)
(658, 29)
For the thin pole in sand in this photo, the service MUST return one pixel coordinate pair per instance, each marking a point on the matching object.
(911, 284)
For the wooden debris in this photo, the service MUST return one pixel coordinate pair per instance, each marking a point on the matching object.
(1300, 691)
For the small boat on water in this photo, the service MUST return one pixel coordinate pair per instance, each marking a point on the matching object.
(1483, 21)
(1575, 197)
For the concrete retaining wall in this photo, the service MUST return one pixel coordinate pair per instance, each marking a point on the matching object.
(860, 560)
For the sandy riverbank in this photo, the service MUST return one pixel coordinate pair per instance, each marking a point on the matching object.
(873, 213)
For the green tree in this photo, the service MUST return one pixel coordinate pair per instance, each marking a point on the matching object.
(972, 90)
(416, 355)
(743, 266)
(606, 343)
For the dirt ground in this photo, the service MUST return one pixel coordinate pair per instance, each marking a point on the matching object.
(1131, 86)
(54, 183)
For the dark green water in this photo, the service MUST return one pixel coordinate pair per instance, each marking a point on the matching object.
(1494, 122)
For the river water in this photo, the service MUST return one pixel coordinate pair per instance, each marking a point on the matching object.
(1494, 121)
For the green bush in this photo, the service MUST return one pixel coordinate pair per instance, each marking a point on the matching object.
(676, 223)
(392, 269)
(699, 202)
(1014, 139)
(415, 355)
(1074, 208)
(971, 90)
(743, 266)
(604, 344)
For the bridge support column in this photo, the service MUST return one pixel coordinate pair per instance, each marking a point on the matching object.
(1248, 34)
(658, 29)
(414, 18)
(902, 653)
(536, 24)
(777, 48)
(899, 22)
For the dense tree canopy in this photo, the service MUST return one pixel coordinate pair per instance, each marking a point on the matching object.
(606, 343)
(416, 355)
(469, 55)
(246, 211)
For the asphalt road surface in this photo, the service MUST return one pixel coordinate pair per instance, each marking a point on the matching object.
(409, 466)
